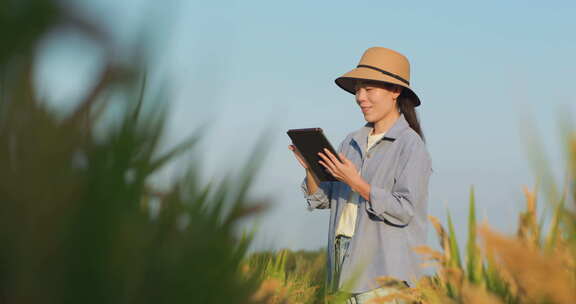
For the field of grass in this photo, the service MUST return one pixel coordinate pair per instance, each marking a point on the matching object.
(81, 221)
(533, 266)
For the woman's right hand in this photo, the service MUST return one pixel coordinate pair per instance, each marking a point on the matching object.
(298, 156)
(311, 180)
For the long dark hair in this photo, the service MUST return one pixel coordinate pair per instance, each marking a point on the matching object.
(406, 107)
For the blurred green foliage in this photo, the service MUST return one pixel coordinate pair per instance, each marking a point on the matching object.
(76, 223)
(290, 276)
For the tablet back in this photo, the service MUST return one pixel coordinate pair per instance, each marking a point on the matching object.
(309, 142)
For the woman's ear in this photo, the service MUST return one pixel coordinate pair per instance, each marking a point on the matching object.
(396, 91)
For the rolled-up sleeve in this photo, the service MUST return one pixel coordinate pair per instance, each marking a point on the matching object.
(396, 204)
(319, 199)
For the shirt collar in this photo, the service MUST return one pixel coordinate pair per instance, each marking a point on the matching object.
(397, 128)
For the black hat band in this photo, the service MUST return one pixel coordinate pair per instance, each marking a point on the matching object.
(384, 72)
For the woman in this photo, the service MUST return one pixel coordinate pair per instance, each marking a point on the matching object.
(378, 206)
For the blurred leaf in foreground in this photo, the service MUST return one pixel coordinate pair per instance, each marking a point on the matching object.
(76, 223)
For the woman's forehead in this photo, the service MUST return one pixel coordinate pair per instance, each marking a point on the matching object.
(365, 83)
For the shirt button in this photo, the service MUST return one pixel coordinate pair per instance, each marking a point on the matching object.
(368, 155)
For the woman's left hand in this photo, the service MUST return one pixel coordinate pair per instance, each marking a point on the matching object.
(344, 170)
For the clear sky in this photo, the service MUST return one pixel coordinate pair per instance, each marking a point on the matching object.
(489, 74)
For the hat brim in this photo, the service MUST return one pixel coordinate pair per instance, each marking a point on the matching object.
(348, 81)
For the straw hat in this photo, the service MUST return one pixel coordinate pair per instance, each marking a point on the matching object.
(381, 65)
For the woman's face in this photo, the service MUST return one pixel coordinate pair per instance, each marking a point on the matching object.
(376, 101)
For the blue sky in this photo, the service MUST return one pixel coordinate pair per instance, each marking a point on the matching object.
(489, 74)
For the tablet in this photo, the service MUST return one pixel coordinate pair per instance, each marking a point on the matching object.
(309, 142)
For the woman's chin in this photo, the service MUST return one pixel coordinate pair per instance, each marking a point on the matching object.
(369, 118)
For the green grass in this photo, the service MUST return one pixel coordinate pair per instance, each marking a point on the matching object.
(75, 190)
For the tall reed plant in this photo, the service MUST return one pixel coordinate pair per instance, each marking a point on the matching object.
(80, 219)
(537, 265)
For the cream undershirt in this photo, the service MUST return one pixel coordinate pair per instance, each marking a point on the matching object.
(347, 220)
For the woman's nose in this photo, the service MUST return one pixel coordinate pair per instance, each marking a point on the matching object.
(360, 95)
